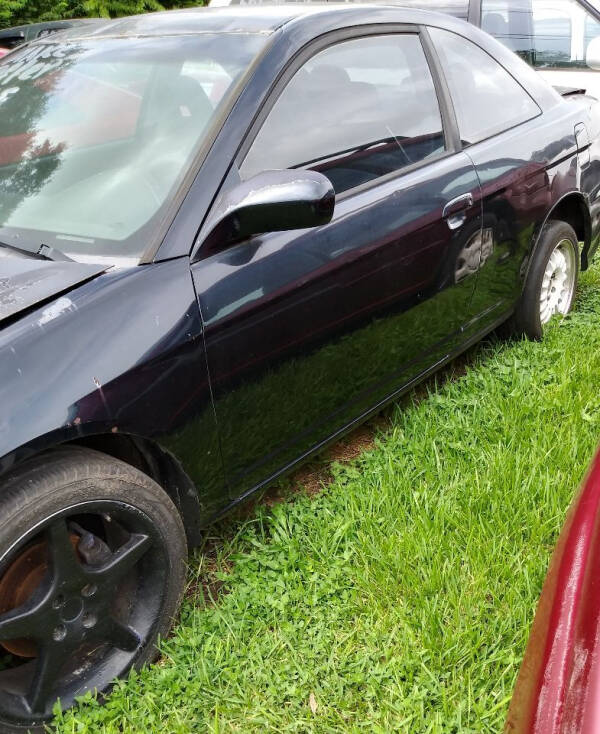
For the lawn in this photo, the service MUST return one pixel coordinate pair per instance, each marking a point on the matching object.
(398, 595)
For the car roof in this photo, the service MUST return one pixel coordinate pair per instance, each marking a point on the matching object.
(242, 19)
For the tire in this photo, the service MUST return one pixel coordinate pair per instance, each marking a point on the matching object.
(558, 241)
(92, 570)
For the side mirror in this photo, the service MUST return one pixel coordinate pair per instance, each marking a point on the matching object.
(272, 201)
(592, 54)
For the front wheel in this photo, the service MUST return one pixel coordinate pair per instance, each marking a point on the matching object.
(92, 568)
(551, 282)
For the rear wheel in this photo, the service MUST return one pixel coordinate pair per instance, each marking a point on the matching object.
(551, 282)
(92, 567)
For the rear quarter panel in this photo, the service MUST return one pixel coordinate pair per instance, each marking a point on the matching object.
(524, 173)
(588, 110)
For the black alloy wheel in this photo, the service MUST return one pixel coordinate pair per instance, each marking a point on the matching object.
(88, 586)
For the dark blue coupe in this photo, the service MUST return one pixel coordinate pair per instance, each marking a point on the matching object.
(226, 237)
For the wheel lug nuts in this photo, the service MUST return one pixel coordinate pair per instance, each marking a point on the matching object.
(59, 633)
(89, 590)
(89, 619)
(58, 602)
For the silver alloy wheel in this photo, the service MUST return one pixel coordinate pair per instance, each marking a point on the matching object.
(558, 283)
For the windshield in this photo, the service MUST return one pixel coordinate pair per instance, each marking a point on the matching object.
(96, 135)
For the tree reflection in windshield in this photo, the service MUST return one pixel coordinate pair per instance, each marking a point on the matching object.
(97, 134)
(27, 160)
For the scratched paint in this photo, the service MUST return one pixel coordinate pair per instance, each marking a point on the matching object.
(54, 310)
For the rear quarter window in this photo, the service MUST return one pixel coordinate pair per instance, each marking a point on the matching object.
(487, 99)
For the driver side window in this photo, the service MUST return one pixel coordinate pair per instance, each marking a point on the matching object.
(358, 110)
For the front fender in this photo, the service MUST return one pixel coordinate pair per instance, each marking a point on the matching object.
(126, 356)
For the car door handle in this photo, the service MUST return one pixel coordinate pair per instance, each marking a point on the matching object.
(454, 211)
(455, 206)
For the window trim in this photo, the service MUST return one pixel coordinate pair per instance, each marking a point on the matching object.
(474, 15)
(441, 71)
(449, 119)
(332, 39)
(590, 9)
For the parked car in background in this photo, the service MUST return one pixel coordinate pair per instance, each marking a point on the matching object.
(17, 35)
(558, 688)
(559, 38)
(199, 287)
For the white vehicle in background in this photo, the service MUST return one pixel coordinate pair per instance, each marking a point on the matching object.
(559, 38)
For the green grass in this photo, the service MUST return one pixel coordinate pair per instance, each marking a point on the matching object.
(401, 595)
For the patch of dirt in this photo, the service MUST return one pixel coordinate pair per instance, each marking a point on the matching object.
(313, 476)
(205, 586)
(353, 445)
(206, 590)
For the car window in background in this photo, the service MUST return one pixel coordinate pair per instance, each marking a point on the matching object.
(591, 28)
(511, 22)
(486, 98)
(106, 118)
(554, 30)
(561, 33)
(546, 33)
(356, 111)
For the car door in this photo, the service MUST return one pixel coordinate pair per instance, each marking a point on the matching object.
(308, 330)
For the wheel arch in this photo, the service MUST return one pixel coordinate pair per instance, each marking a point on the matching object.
(160, 465)
(572, 209)
(143, 454)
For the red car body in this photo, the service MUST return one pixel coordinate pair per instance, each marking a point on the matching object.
(3, 52)
(558, 687)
